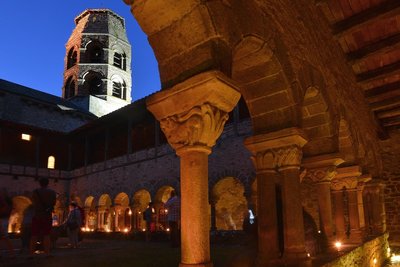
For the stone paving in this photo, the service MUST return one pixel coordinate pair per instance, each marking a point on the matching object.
(113, 252)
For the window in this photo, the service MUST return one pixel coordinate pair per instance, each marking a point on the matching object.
(51, 162)
(120, 60)
(94, 52)
(26, 137)
(93, 83)
(69, 88)
(119, 87)
(71, 58)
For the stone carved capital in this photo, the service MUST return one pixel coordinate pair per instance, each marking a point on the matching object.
(272, 159)
(200, 126)
(320, 175)
(347, 182)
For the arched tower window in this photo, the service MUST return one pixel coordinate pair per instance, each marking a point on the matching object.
(51, 162)
(93, 83)
(94, 53)
(71, 58)
(69, 88)
(120, 60)
(119, 88)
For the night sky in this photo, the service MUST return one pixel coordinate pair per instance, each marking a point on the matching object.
(34, 34)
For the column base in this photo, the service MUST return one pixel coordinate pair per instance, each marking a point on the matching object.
(208, 264)
(296, 259)
(356, 237)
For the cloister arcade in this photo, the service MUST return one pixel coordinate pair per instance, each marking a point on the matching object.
(122, 213)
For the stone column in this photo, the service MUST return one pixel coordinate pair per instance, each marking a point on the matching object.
(349, 178)
(277, 158)
(340, 230)
(192, 116)
(377, 206)
(321, 170)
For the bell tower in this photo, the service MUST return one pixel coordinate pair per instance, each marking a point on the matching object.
(97, 73)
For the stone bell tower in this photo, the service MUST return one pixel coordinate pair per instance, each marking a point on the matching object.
(97, 73)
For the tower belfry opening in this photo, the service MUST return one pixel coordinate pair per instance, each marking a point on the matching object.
(97, 73)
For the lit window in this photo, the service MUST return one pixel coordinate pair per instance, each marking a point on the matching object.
(51, 161)
(26, 137)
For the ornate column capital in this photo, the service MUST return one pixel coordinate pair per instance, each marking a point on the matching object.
(281, 149)
(321, 169)
(192, 114)
(347, 177)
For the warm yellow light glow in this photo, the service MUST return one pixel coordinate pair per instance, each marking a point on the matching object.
(18, 231)
(168, 230)
(338, 245)
(166, 210)
(308, 255)
(144, 229)
(51, 161)
(395, 258)
(388, 252)
(108, 231)
(319, 231)
(130, 212)
(126, 230)
(139, 212)
(26, 137)
(375, 261)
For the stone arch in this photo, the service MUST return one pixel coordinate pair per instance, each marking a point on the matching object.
(90, 213)
(346, 143)
(20, 204)
(119, 86)
(94, 52)
(72, 57)
(169, 182)
(122, 212)
(119, 57)
(104, 213)
(160, 198)
(317, 123)
(70, 87)
(93, 83)
(264, 85)
(140, 202)
(230, 204)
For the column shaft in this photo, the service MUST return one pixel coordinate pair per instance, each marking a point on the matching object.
(195, 248)
(325, 208)
(294, 239)
(339, 215)
(268, 245)
(355, 230)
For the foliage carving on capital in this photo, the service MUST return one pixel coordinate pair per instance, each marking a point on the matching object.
(264, 160)
(320, 175)
(200, 126)
(289, 156)
(347, 182)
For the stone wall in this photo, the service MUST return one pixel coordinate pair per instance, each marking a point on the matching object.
(364, 255)
(153, 168)
(391, 177)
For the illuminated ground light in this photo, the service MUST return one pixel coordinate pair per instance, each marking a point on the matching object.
(395, 258)
(375, 261)
(168, 229)
(144, 229)
(338, 245)
(126, 230)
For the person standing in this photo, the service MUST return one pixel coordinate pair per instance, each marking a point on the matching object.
(5, 212)
(148, 216)
(173, 206)
(43, 201)
(73, 224)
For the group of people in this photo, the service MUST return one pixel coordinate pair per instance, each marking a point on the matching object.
(37, 222)
(172, 206)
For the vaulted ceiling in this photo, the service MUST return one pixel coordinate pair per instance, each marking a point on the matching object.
(368, 31)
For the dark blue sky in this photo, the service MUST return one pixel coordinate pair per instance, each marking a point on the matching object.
(33, 37)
